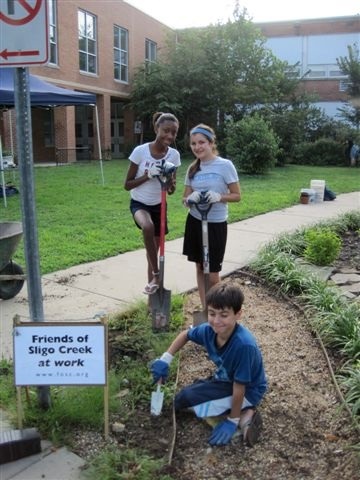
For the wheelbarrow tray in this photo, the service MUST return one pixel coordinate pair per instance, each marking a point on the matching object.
(10, 236)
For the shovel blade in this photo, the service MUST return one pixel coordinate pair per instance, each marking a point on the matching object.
(160, 303)
(157, 400)
(199, 317)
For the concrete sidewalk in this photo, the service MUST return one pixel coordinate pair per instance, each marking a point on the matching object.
(111, 285)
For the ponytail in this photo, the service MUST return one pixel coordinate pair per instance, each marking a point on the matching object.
(194, 168)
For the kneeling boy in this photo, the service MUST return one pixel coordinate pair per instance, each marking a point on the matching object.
(239, 382)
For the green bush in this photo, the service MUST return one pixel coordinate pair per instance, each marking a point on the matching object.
(323, 152)
(322, 246)
(252, 145)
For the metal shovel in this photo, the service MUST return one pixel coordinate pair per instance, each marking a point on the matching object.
(160, 301)
(203, 208)
(157, 400)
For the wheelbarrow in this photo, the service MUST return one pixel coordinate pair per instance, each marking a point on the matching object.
(11, 274)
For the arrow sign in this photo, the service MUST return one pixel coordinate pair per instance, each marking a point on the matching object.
(24, 32)
(5, 54)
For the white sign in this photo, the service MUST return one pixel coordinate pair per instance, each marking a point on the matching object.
(137, 126)
(24, 38)
(66, 354)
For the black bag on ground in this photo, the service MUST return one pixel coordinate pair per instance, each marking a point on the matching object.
(329, 195)
(9, 190)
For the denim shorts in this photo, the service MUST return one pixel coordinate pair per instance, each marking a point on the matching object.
(153, 210)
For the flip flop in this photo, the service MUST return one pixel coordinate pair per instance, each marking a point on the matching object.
(251, 430)
(151, 288)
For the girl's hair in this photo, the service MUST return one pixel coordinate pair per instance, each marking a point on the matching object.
(209, 133)
(225, 295)
(160, 117)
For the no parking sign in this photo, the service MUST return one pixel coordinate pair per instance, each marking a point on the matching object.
(23, 32)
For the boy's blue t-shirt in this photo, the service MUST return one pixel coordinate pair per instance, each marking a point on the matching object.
(239, 360)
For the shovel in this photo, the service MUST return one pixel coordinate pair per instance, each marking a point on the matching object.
(203, 208)
(157, 400)
(160, 301)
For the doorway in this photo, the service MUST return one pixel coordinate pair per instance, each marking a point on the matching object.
(117, 137)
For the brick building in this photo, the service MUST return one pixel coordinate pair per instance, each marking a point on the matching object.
(315, 45)
(94, 47)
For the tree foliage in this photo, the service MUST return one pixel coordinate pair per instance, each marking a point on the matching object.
(211, 73)
(350, 66)
(252, 144)
(226, 72)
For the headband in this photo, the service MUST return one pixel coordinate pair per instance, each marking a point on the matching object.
(205, 132)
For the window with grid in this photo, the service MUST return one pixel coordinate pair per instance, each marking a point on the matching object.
(53, 49)
(150, 51)
(87, 42)
(121, 54)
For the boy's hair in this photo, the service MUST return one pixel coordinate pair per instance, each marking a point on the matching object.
(225, 295)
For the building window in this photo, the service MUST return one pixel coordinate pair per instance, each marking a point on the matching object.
(121, 54)
(343, 85)
(150, 51)
(336, 73)
(316, 73)
(87, 42)
(53, 53)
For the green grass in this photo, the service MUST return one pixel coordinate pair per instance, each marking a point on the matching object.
(122, 463)
(80, 220)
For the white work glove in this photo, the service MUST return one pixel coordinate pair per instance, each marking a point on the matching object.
(154, 171)
(212, 197)
(194, 197)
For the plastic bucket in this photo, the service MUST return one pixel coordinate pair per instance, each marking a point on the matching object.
(319, 187)
(309, 193)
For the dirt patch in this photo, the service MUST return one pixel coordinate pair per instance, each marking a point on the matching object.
(306, 434)
(350, 252)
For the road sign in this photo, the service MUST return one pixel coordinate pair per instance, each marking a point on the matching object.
(24, 38)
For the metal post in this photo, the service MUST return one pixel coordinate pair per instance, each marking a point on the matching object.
(99, 143)
(31, 247)
(3, 186)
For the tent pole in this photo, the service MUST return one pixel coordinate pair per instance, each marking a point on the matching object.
(11, 135)
(99, 143)
(3, 186)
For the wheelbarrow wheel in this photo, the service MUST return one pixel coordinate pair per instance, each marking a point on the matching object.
(10, 288)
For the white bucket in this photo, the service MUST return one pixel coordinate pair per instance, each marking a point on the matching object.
(319, 187)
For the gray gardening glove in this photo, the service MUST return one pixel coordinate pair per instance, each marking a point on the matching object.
(212, 197)
(154, 171)
(194, 197)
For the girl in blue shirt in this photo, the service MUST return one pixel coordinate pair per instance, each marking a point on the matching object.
(217, 177)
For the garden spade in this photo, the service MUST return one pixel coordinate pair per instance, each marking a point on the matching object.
(157, 399)
(203, 208)
(160, 301)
